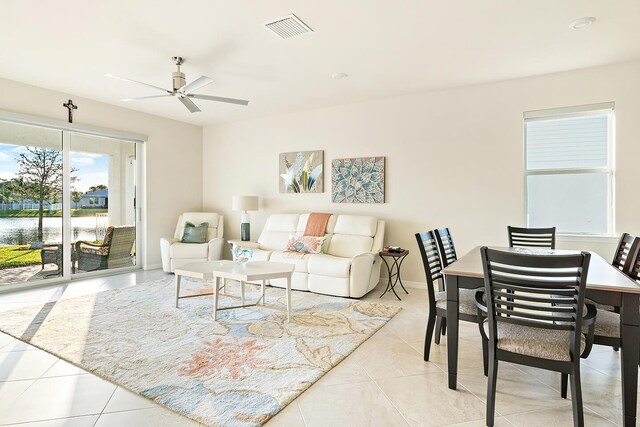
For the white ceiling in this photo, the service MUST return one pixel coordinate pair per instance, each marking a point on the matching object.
(387, 47)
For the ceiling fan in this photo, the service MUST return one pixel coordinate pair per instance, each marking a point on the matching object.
(183, 90)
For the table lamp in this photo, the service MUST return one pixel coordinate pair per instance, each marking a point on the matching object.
(244, 204)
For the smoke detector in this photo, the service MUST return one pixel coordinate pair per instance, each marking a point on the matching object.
(288, 26)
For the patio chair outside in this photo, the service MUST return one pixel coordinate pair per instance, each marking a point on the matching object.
(114, 252)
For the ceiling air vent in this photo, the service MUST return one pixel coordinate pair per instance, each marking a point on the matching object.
(289, 26)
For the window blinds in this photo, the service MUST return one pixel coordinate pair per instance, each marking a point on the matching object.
(567, 143)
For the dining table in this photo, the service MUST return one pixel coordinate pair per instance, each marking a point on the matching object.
(605, 285)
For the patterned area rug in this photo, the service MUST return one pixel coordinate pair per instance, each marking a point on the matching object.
(238, 371)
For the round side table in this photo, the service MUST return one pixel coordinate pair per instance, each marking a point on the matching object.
(393, 270)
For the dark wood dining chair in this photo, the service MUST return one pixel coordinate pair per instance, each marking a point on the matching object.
(635, 266)
(607, 326)
(446, 247)
(626, 253)
(427, 244)
(448, 255)
(539, 322)
(520, 237)
(606, 329)
(623, 258)
(635, 269)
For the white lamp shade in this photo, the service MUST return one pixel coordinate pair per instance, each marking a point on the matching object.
(244, 203)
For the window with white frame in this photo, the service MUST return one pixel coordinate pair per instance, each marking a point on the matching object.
(569, 169)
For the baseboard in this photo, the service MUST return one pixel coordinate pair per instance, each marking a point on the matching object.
(152, 266)
(407, 283)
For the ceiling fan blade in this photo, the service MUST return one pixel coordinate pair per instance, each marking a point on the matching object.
(189, 104)
(140, 83)
(144, 97)
(195, 85)
(219, 99)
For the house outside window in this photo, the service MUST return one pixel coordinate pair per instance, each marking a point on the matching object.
(569, 169)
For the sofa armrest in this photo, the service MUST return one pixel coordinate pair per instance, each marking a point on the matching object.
(215, 249)
(360, 275)
(367, 255)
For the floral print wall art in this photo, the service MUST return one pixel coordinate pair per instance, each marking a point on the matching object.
(359, 180)
(302, 172)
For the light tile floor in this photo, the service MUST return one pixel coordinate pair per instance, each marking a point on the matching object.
(384, 382)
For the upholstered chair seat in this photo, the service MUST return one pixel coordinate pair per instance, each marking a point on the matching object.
(535, 342)
(607, 324)
(467, 302)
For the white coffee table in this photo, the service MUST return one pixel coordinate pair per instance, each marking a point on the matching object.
(248, 272)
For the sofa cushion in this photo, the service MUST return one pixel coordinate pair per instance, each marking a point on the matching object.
(261, 255)
(273, 240)
(300, 261)
(328, 265)
(302, 223)
(189, 250)
(342, 245)
(356, 225)
(282, 222)
(276, 231)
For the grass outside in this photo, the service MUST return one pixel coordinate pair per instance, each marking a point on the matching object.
(18, 256)
(33, 213)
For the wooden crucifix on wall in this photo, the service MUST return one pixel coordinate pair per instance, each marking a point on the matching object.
(69, 105)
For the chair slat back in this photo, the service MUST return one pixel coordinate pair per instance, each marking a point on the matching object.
(520, 237)
(626, 253)
(445, 244)
(427, 244)
(541, 291)
(635, 265)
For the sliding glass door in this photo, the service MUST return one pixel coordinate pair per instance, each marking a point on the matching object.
(103, 200)
(67, 204)
(32, 241)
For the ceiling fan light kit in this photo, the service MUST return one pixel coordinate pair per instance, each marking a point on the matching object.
(183, 90)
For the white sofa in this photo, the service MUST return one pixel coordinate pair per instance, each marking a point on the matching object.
(175, 253)
(349, 266)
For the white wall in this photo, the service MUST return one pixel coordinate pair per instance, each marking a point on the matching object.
(173, 150)
(454, 157)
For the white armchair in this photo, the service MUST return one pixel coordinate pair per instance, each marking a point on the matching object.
(175, 253)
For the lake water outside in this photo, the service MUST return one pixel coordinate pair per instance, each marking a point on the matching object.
(23, 231)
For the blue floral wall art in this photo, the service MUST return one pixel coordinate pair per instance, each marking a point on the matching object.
(359, 180)
(302, 172)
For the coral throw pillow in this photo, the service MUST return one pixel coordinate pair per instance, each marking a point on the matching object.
(305, 244)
